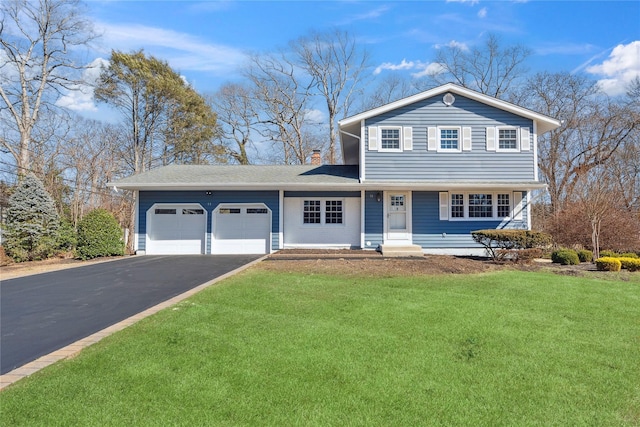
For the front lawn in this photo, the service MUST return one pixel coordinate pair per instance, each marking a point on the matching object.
(272, 348)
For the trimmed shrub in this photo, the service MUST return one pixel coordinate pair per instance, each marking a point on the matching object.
(99, 234)
(585, 255)
(565, 257)
(608, 254)
(631, 264)
(501, 244)
(520, 256)
(608, 264)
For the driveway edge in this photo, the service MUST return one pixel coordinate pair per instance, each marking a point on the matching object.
(75, 348)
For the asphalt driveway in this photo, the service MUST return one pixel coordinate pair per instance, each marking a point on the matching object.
(45, 312)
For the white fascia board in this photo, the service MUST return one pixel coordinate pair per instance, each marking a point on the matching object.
(446, 186)
(367, 185)
(231, 186)
(545, 123)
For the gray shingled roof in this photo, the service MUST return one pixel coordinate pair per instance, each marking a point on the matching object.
(228, 176)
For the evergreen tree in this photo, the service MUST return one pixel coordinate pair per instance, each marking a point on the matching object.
(32, 222)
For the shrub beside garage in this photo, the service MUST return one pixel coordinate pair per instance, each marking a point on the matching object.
(99, 234)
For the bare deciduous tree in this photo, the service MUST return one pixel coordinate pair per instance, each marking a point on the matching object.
(390, 88)
(36, 63)
(593, 128)
(282, 98)
(237, 118)
(335, 64)
(490, 68)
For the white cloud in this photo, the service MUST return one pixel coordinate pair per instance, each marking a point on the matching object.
(482, 13)
(617, 71)
(182, 51)
(403, 65)
(314, 116)
(421, 68)
(453, 43)
(82, 99)
(429, 69)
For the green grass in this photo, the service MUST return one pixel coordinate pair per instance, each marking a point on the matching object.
(505, 348)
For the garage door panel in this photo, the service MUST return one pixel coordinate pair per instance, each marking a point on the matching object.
(241, 230)
(176, 229)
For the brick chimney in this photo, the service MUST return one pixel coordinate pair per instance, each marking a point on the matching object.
(316, 159)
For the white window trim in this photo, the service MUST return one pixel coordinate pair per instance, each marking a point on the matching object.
(494, 206)
(507, 150)
(323, 211)
(400, 140)
(439, 148)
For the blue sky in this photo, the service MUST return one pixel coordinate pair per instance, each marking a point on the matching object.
(206, 41)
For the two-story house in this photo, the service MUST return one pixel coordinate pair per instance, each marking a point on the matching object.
(425, 170)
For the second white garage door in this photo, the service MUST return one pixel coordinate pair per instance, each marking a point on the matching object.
(241, 229)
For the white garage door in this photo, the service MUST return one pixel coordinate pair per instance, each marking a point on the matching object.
(176, 229)
(241, 229)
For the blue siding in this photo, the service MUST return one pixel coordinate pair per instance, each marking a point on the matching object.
(431, 233)
(373, 220)
(208, 202)
(420, 164)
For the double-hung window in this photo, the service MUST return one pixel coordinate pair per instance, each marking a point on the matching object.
(389, 138)
(480, 205)
(507, 139)
(449, 139)
(327, 211)
(504, 205)
(457, 206)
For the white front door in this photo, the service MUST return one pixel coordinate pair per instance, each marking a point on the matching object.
(398, 207)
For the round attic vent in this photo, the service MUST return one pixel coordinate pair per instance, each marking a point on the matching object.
(448, 99)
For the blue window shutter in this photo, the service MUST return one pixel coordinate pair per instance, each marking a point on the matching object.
(373, 138)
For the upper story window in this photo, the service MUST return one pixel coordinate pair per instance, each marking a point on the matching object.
(390, 138)
(507, 139)
(449, 139)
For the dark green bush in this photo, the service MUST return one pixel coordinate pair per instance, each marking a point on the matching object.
(585, 255)
(565, 257)
(99, 234)
(500, 244)
(608, 264)
(67, 237)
